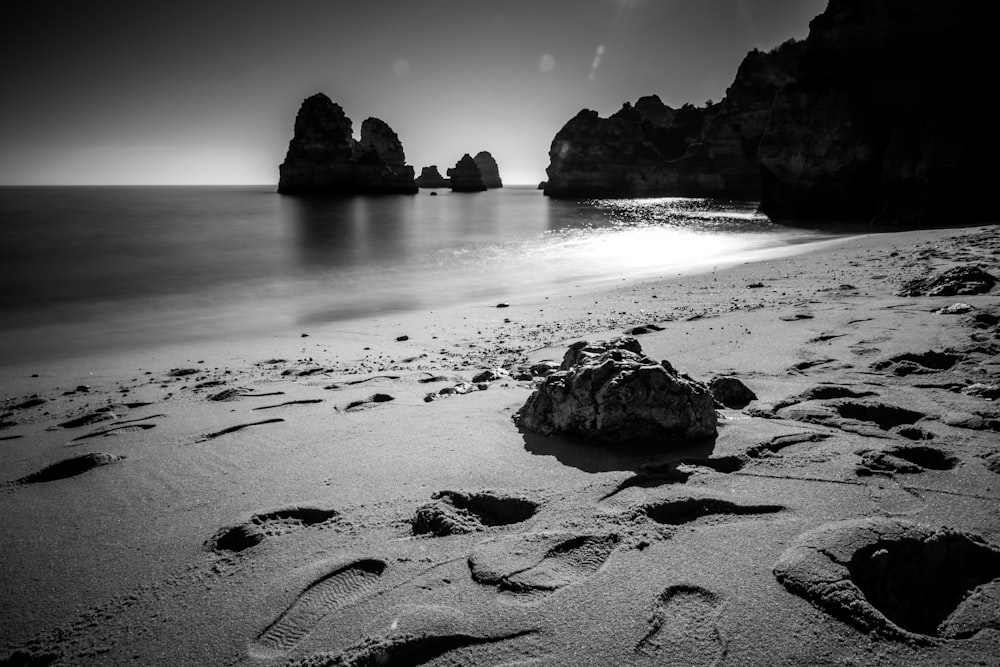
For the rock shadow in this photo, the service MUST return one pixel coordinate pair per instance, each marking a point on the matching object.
(594, 457)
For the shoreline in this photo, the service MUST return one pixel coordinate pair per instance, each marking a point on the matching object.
(123, 562)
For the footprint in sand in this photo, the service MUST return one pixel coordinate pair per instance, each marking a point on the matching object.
(684, 627)
(457, 512)
(341, 587)
(527, 568)
(302, 401)
(370, 402)
(898, 579)
(70, 467)
(408, 650)
(120, 428)
(261, 526)
(238, 427)
(679, 511)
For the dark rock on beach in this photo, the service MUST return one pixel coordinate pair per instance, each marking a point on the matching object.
(731, 392)
(324, 158)
(608, 391)
(962, 280)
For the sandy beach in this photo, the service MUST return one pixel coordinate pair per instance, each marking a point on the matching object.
(297, 499)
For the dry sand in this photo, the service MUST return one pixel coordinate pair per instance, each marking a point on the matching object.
(278, 526)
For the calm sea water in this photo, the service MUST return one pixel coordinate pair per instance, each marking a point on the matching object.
(93, 268)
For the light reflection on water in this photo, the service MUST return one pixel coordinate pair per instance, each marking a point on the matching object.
(115, 266)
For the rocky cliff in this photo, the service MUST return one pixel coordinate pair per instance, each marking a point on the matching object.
(324, 158)
(430, 177)
(881, 124)
(465, 176)
(651, 149)
(488, 169)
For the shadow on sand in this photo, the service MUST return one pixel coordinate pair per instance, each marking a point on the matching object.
(588, 456)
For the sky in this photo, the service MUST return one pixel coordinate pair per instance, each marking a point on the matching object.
(135, 93)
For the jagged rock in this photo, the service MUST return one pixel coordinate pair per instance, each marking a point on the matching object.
(465, 176)
(378, 136)
(610, 392)
(731, 392)
(962, 280)
(488, 169)
(324, 158)
(430, 177)
(876, 128)
(652, 149)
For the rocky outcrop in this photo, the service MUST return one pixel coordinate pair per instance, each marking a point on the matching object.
(488, 169)
(324, 158)
(465, 176)
(880, 124)
(430, 177)
(651, 149)
(610, 392)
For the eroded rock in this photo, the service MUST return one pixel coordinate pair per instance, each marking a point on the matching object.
(608, 391)
(731, 392)
(967, 279)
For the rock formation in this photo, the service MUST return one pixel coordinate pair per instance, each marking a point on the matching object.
(610, 392)
(324, 158)
(651, 149)
(881, 126)
(430, 177)
(465, 176)
(863, 122)
(488, 169)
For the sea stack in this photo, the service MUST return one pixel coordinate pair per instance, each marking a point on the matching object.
(465, 176)
(488, 169)
(324, 158)
(430, 177)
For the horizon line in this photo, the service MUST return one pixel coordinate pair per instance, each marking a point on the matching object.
(186, 185)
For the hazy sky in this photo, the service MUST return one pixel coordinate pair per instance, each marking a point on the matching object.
(132, 92)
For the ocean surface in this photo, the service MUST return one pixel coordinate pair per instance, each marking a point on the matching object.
(88, 269)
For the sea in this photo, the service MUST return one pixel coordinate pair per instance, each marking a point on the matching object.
(98, 269)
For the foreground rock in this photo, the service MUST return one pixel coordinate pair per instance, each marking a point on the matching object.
(465, 176)
(430, 177)
(324, 158)
(488, 169)
(871, 130)
(610, 392)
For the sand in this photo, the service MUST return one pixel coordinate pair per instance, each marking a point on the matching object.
(296, 500)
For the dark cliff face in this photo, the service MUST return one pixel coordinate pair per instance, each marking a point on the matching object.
(323, 157)
(465, 176)
(488, 169)
(882, 125)
(651, 149)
